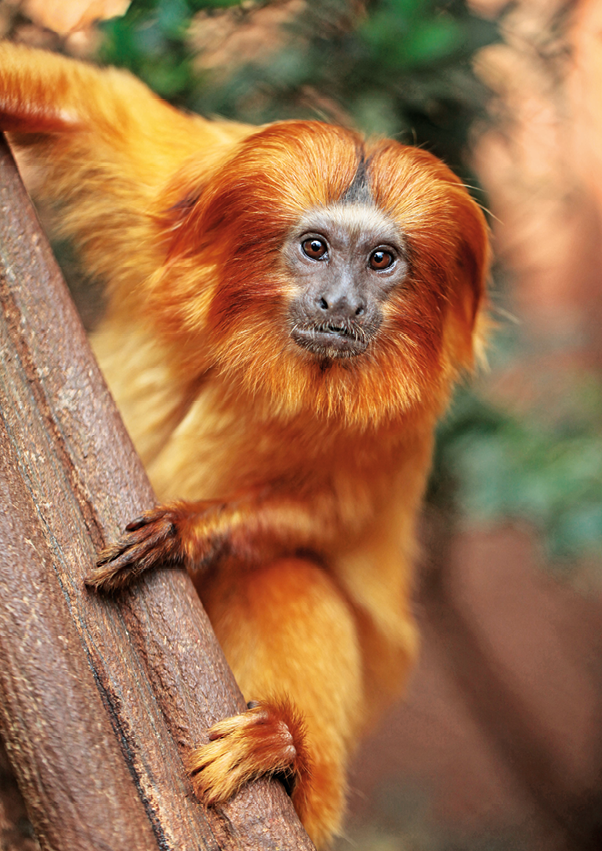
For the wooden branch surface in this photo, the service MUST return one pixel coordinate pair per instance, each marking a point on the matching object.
(98, 697)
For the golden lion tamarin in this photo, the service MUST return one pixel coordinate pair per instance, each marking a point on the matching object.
(288, 309)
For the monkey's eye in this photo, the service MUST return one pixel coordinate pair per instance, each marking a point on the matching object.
(381, 259)
(315, 248)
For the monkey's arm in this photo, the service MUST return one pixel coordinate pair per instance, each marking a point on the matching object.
(197, 534)
(103, 147)
(45, 93)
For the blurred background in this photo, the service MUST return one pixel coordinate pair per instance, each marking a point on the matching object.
(497, 744)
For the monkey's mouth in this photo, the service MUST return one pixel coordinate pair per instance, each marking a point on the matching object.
(330, 340)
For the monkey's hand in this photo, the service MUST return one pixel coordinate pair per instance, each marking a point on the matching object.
(175, 534)
(267, 739)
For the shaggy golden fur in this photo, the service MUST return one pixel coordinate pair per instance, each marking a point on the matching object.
(304, 474)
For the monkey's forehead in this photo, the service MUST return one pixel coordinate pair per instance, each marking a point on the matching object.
(354, 218)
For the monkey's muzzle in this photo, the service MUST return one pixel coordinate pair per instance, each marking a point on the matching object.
(329, 340)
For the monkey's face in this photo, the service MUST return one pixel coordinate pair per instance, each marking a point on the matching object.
(343, 260)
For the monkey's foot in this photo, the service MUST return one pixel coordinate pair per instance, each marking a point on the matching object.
(169, 534)
(267, 739)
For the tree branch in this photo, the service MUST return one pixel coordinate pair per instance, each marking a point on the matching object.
(98, 697)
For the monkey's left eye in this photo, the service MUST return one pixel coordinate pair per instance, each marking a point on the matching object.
(381, 259)
(315, 248)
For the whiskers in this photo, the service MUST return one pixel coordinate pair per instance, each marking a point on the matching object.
(342, 328)
(343, 338)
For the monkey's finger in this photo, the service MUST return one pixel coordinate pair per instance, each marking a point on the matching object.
(137, 542)
(109, 579)
(121, 571)
(137, 552)
(137, 523)
(150, 516)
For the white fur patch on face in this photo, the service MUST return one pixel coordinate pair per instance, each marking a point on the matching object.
(354, 219)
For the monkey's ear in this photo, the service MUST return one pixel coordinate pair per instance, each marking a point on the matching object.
(468, 301)
(178, 220)
(177, 208)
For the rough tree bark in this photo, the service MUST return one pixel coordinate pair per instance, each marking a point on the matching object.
(98, 697)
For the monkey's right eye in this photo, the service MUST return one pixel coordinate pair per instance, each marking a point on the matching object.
(315, 248)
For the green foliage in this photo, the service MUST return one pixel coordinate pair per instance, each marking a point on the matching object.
(150, 40)
(402, 70)
(544, 469)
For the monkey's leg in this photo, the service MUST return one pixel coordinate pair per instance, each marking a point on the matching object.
(291, 638)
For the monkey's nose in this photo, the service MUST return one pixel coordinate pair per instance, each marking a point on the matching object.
(344, 307)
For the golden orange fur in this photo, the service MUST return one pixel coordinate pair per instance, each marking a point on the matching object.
(303, 475)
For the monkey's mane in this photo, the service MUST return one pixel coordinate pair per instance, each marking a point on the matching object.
(229, 289)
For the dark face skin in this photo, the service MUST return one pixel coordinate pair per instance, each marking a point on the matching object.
(344, 260)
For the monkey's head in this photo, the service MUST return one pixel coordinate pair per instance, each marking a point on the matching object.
(329, 274)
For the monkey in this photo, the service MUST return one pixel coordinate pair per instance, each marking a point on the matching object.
(288, 309)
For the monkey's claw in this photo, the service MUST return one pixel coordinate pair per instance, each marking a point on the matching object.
(150, 540)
